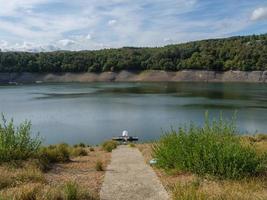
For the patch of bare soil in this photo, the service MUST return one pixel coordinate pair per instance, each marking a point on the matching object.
(81, 170)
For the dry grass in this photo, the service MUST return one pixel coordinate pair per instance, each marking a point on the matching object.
(28, 182)
(81, 170)
(184, 186)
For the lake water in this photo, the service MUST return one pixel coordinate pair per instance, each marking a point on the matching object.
(91, 113)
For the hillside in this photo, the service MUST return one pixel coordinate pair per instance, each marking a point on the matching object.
(246, 53)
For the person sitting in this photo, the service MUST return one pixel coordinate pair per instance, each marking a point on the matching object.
(124, 133)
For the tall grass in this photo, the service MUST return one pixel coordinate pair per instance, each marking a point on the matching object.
(214, 149)
(16, 143)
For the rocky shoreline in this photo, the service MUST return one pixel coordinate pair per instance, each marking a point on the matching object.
(144, 76)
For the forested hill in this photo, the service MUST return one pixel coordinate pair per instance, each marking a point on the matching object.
(237, 53)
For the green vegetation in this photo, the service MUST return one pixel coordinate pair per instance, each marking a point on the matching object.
(109, 145)
(235, 53)
(215, 149)
(132, 145)
(79, 151)
(16, 142)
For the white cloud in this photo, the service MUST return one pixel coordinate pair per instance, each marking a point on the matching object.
(259, 14)
(134, 23)
(112, 22)
(89, 37)
(66, 42)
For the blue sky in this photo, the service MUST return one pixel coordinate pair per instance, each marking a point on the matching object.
(46, 25)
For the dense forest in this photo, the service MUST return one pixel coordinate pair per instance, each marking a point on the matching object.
(244, 53)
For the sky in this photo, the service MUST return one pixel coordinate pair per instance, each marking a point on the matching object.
(48, 25)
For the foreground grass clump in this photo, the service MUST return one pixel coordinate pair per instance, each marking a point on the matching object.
(16, 143)
(215, 149)
(109, 145)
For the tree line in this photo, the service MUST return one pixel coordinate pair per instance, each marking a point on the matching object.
(244, 53)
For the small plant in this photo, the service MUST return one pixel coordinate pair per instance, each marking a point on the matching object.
(99, 166)
(16, 143)
(132, 145)
(79, 151)
(91, 149)
(188, 191)
(80, 145)
(109, 145)
(54, 153)
(71, 191)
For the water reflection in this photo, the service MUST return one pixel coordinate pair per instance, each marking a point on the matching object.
(95, 112)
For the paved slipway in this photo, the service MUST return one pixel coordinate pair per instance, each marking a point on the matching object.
(128, 177)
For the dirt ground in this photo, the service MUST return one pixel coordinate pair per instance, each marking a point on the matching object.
(81, 170)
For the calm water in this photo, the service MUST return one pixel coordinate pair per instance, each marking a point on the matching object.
(95, 112)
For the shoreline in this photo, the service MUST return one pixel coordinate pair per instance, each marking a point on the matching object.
(143, 76)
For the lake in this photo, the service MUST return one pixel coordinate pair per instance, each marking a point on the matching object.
(94, 112)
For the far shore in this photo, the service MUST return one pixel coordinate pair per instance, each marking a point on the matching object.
(144, 76)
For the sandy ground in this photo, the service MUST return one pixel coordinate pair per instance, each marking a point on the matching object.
(144, 76)
(128, 177)
(81, 170)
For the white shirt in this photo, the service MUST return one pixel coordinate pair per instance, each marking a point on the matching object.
(125, 134)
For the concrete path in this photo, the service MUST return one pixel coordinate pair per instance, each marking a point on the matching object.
(128, 177)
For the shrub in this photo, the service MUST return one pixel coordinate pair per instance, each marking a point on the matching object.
(54, 153)
(109, 145)
(99, 166)
(79, 151)
(91, 149)
(132, 145)
(80, 145)
(16, 143)
(214, 149)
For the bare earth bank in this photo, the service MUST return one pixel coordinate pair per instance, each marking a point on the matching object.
(144, 76)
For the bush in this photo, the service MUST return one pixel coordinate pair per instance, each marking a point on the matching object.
(132, 145)
(54, 153)
(214, 149)
(91, 149)
(79, 151)
(109, 145)
(16, 142)
(80, 145)
(99, 166)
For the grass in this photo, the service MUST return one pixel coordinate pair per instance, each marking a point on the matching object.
(214, 149)
(68, 191)
(16, 143)
(78, 151)
(99, 166)
(12, 176)
(219, 190)
(185, 185)
(132, 145)
(91, 149)
(80, 145)
(109, 145)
